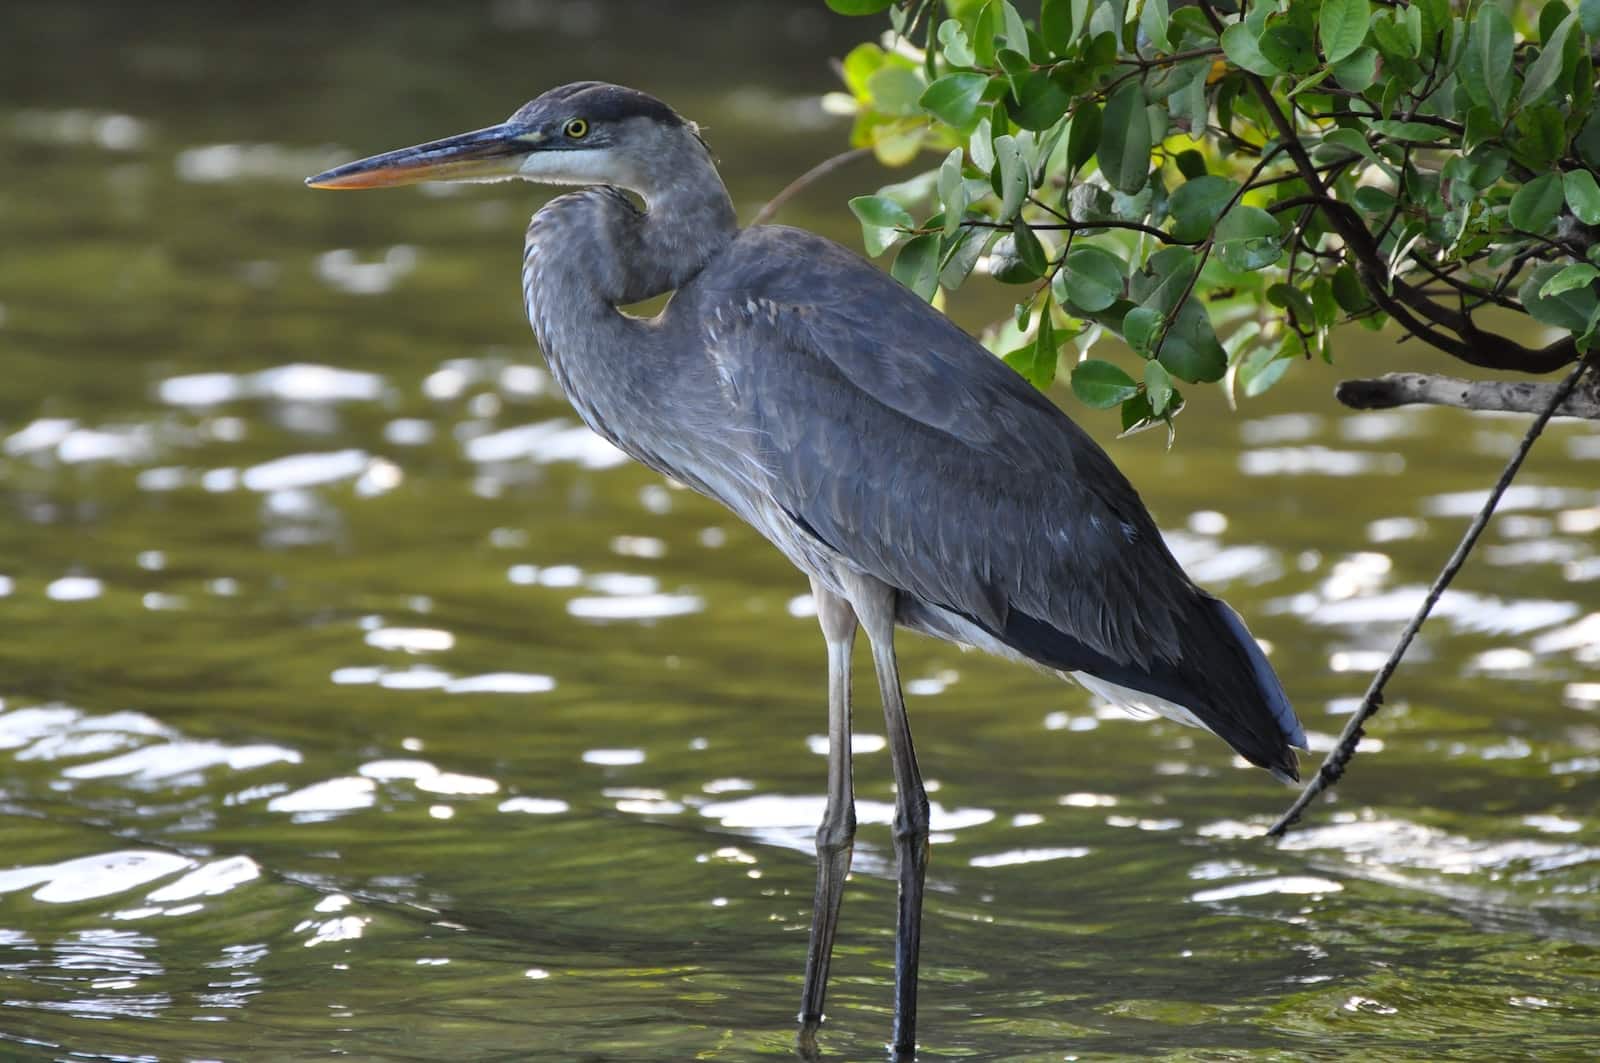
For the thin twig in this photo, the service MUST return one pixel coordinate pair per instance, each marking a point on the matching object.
(1078, 227)
(816, 173)
(1333, 767)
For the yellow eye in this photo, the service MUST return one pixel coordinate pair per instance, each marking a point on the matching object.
(576, 128)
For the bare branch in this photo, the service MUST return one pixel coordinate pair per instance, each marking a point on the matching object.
(816, 173)
(1080, 226)
(1512, 396)
(1333, 767)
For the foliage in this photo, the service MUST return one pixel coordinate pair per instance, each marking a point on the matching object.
(1219, 188)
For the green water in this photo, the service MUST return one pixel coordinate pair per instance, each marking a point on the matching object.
(358, 703)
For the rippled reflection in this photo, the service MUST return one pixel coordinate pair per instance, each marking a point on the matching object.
(358, 699)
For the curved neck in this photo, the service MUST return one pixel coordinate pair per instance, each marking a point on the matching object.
(688, 219)
(592, 251)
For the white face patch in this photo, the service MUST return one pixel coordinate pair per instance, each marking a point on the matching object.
(578, 166)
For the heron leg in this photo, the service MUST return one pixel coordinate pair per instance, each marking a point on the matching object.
(875, 606)
(836, 835)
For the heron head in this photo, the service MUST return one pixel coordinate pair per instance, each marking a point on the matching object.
(585, 133)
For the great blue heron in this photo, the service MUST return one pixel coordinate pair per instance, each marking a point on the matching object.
(914, 477)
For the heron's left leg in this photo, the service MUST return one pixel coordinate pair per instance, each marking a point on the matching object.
(837, 833)
(875, 607)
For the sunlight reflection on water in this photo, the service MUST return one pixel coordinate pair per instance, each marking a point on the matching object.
(272, 583)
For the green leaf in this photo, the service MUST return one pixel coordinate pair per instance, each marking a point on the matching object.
(1125, 139)
(1136, 415)
(1541, 136)
(1485, 70)
(1084, 138)
(1297, 302)
(917, 265)
(1014, 63)
(1481, 126)
(1482, 169)
(1248, 238)
(1058, 25)
(859, 7)
(1013, 175)
(1005, 263)
(1589, 16)
(1013, 29)
(1157, 387)
(952, 192)
(1373, 200)
(953, 41)
(1037, 361)
(1569, 309)
(1344, 26)
(1577, 275)
(955, 98)
(1289, 47)
(1092, 278)
(859, 65)
(1351, 141)
(1410, 132)
(1242, 48)
(880, 218)
(961, 255)
(1029, 249)
(1039, 102)
(980, 146)
(1139, 328)
(1546, 69)
(984, 29)
(1534, 207)
(1583, 195)
(1197, 205)
(1191, 164)
(1153, 21)
(1358, 70)
(1588, 139)
(1261, 369)
(895, 90)
(1190, 350)
(1348, 292)
(1101, 385)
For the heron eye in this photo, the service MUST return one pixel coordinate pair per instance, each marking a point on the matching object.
(576, 128)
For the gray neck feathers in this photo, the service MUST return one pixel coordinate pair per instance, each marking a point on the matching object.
(592, 251)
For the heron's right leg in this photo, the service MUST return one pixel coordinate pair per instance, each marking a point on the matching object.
(836, 835)
(875, 605)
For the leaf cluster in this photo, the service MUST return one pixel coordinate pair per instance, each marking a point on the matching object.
(1220, 187)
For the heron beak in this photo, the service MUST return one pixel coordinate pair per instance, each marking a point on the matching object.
(482, 155)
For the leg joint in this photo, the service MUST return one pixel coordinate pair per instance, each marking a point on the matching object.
(837, 832)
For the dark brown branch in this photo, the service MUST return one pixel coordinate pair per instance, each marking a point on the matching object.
(1475, 291)
(1397, 298)
(1333, 767)
(1511, 396)
(1083, 226)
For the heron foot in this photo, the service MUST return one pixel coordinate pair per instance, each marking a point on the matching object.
(805, 1039)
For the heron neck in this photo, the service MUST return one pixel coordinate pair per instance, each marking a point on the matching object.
(592, 251)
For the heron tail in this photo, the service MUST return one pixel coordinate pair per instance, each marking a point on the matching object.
(1220, 681)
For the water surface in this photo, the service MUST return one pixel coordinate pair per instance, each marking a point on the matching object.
(357, 701)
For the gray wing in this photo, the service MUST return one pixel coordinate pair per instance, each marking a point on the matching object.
(899, 442)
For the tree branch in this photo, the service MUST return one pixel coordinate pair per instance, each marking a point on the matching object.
(816, 173)
(1080, 226)
(1512, 396)
(1333, 767)
(1396, 297)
